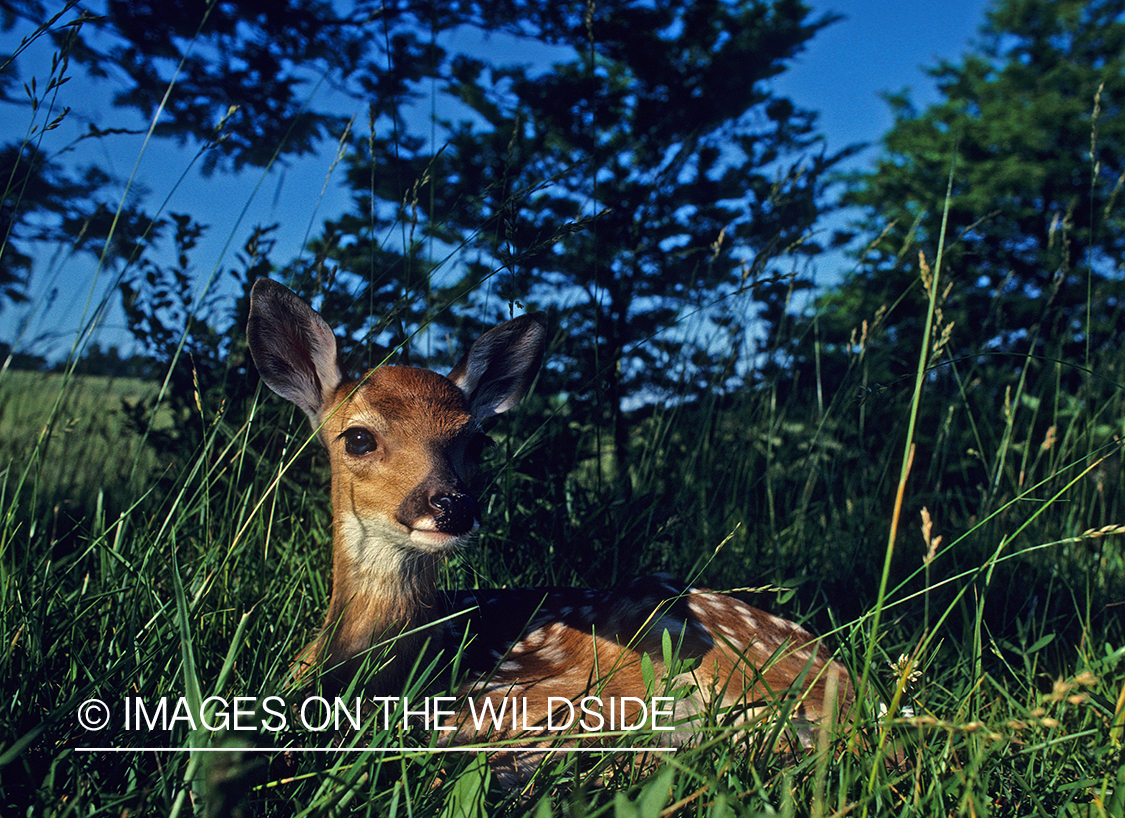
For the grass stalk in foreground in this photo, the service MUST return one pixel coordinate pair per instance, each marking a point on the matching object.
(931, 286)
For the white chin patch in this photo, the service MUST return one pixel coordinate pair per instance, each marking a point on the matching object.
(434, 540)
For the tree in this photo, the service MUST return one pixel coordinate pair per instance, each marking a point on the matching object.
(1029, 138)
(46, 204)
(109, 363)
(236, 78)
(653, 172)
(1031, 128)
(44, 201)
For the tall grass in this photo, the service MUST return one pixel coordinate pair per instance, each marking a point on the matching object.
(998, 650)
(211, 587)
(213, 590)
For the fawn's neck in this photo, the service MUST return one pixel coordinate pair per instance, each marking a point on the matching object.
(383, 595)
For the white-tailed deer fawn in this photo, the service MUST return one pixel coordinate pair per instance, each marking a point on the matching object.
(404, 444)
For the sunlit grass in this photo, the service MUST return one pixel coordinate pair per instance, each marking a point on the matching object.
(69, 444)
(214, 583)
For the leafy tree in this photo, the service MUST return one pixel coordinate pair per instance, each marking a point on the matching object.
(1029, 138)
(44, 201)
(645, 177)
(1032, 129)
(46, 204)
(21, 360)
(650, 175)
(236, 78)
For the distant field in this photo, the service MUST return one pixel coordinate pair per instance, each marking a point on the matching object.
(89, 448)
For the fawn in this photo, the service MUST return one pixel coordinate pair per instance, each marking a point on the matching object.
(404, 444)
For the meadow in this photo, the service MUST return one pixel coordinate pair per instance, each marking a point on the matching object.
(996, 646)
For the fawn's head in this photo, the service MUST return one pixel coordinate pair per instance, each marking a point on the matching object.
(403, 442)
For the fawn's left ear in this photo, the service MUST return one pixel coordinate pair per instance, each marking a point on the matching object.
(499, 367)
(294, 350)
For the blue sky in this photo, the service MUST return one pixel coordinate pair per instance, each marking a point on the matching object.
(877, 46)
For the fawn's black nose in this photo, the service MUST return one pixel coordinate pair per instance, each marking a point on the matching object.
(454, 513)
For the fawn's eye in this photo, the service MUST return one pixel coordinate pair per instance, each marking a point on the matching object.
(359, 441)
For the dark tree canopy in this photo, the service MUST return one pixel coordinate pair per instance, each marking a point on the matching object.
(1028, 136)
(652, 173)
(647, 175)
(1032, 128)
(45, 202)
(242, 72)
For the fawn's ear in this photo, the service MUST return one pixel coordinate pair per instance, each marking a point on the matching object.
(294, 350)
(499, 367)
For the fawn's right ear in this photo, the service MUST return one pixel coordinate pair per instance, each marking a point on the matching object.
(294, 350)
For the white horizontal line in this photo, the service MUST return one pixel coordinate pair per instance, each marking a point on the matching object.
(413, 750)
